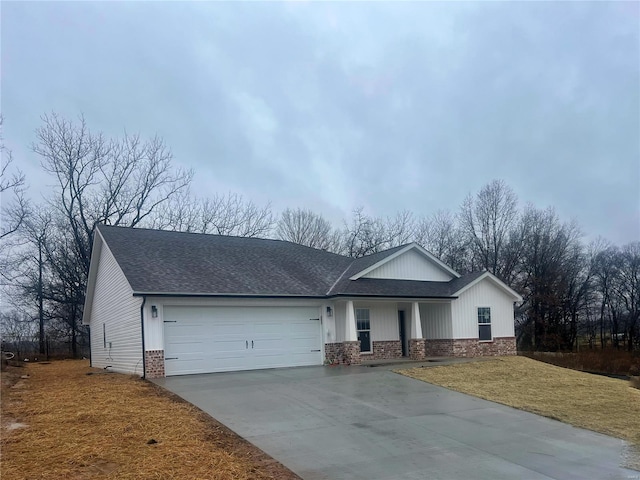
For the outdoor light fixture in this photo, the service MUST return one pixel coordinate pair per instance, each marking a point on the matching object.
(154, 311)
(329, 312)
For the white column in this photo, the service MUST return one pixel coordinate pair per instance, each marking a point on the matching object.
(416, 325)
(350, 333)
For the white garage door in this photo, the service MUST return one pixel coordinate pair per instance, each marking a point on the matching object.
(223, 339)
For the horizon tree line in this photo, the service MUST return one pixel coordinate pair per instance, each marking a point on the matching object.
(572, 292)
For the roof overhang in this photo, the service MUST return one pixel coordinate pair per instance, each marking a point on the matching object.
(96, 250)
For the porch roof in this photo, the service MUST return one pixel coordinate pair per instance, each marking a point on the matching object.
(378, 287)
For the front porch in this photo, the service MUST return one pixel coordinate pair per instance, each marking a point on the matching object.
(364, 330)
(358, 331)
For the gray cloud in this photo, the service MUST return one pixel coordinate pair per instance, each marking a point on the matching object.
(331, 106)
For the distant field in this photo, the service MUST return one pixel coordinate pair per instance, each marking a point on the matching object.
(610, 361)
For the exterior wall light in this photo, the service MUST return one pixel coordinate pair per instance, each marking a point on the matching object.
(329, 312)
(154, 311)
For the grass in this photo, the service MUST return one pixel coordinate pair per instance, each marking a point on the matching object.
(605, 405)
(77, 426)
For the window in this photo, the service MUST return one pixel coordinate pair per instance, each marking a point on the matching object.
(484, 324)
(362, 319)
(363, 325)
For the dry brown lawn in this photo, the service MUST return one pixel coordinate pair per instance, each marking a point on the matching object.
(61, 423)
(597, 403)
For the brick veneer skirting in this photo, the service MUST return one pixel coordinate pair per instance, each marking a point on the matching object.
(386, 349)
(154, 363)
(470, 347)
(345, 353)
(417, 349)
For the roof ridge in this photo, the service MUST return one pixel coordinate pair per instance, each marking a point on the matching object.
(340, 277)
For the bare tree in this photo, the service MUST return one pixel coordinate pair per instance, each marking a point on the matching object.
(306, 228)
(440, 234)
(487, 221)
(628, 289)
(116, 181)
(365, 235)
(222, 215)
(112, 181)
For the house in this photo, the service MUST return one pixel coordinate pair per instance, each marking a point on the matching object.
(165, 303)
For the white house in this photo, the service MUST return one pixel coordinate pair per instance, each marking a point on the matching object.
(170, 303)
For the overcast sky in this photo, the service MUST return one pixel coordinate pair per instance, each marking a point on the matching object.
(331, 106)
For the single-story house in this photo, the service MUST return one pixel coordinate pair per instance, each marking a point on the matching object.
(162, 303)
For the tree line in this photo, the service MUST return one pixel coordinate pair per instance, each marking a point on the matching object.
(572, 291)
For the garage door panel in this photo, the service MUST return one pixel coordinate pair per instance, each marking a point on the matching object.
(219, 339)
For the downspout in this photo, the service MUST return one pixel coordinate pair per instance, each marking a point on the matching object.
(144, 360)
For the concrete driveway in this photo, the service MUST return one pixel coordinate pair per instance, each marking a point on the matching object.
(370, 423)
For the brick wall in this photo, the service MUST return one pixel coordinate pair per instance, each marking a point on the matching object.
(438, 348)
(471, 347)
(417, 349)
(343, 353)
(386, 349)
(154, 363)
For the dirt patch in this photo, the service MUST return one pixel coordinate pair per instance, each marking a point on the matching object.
(118, 427)
(605, 405)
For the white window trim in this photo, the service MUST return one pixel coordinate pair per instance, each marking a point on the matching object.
(490, 323)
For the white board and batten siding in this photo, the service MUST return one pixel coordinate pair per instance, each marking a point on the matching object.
(116, 340)
(464, 311)
(383, 319)
(436, 320)
(411, 265)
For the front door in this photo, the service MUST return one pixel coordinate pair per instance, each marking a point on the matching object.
(403, 332)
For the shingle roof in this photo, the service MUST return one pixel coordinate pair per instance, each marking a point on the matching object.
(163, 262)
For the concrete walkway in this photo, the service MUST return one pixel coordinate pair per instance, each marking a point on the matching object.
(370, 423)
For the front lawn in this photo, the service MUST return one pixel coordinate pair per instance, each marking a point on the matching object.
(67, 421)
(594, 402)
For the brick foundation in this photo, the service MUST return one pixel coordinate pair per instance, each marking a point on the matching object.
(417, 349)
(343, 353)
(385, 350)
(470, 347)
(351, 353)
(154, 363)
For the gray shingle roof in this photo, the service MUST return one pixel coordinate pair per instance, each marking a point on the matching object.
(163, 262)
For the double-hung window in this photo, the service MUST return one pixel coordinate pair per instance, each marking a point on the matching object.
(363, 325)
(484, 324)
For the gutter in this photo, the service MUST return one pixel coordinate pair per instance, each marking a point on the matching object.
(281, 296)
(144, 362)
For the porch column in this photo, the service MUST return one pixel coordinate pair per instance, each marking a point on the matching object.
(350, 333)
(351, 345)
(416, 324)
(417, 349)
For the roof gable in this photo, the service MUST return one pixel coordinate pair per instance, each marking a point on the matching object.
(409, 262)
(482, 276)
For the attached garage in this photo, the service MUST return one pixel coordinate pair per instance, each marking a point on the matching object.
(223, 339)
(170, 303)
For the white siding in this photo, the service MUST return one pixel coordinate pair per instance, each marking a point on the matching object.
(436, 320)
(382, 315)
(484, 294)
(411, 265)
(116, 312)
(340, 315)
